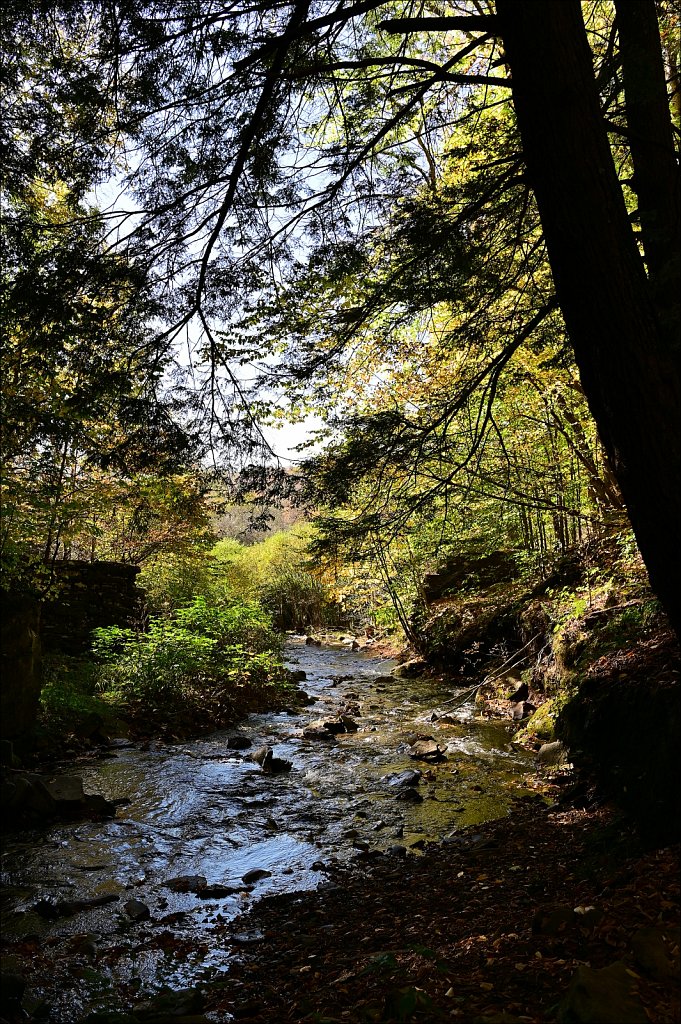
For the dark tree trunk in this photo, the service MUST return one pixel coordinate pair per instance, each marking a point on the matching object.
(628, 369)
(656, 171)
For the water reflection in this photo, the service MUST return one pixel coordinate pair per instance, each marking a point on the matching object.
(201, 808)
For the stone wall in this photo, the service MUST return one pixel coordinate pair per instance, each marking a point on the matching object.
(91, 594)
(19, 664)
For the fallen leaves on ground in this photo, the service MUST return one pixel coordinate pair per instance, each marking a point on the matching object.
(462, 933)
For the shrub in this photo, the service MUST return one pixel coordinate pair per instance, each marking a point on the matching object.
(197, 656)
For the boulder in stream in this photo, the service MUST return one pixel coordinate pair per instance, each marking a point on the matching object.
(67, 908)
(275, 765)
(318, 732)
(255, 875)
(409, 777)
(426, 749)
(32, 795)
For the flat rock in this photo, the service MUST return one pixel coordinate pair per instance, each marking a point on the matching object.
(216, 891)
(427, 750)
(67, 908)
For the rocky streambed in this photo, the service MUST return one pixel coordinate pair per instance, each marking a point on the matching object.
(106, 914)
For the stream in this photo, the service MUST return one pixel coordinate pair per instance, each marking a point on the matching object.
(202, 808)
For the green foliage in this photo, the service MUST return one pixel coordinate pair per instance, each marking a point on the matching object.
(200, 649)
(71, 694)
(279, 570)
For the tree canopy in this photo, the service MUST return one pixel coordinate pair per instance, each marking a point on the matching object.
(373, 208)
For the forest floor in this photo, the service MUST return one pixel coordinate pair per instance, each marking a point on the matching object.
(559, 912)
(491, 927)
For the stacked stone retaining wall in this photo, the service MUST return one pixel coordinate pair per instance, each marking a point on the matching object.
(90, 594)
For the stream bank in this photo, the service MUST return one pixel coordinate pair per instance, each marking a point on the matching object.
(123, 908)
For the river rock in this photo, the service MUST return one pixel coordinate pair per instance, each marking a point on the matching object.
(410, 796)
(427, 750)
(247, 938)
(32, 795)
(606, 996)
(318, 732)
(67, 908)
(410, 669)
(259, 755)
(255, 874)
(275, 765)
(312, 642)
(217, 890)
(409, 777)
(187, 883)
(397, 850)
(136, 910)
(169, 1006)
(348, 723)
(67, 792)
(552, 753)
(297, 675)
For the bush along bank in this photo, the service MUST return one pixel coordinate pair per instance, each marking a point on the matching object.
(201, 668)
(585, 663)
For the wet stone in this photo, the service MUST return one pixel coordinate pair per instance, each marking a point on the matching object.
(406, 778)
(216, 891)
(255, 875)
(136, 910)
(410, 796)
(187, 883)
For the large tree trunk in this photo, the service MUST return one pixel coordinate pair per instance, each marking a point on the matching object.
(628, 367)
(656, 171)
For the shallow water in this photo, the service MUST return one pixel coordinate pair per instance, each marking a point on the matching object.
(202, 808)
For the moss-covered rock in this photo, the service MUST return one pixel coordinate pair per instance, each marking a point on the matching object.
(542, 724)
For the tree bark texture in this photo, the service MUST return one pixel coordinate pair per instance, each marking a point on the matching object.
(628, 370)
(651, 139)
